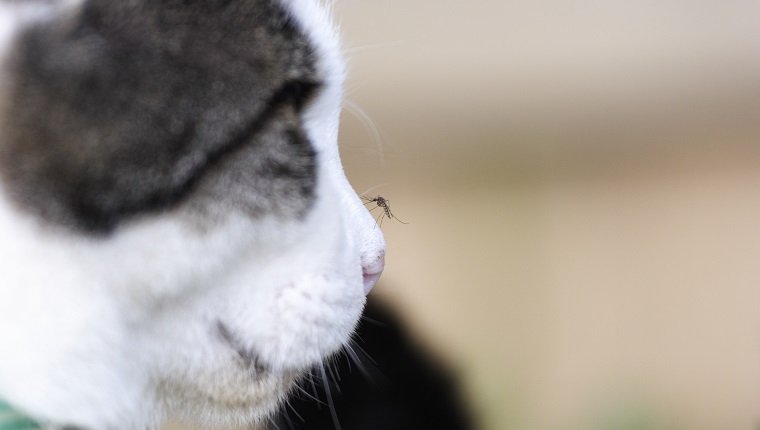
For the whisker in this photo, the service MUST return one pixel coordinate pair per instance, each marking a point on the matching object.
(352, 354)
(336, 380)
(372, 188)
(312, 376)
(287, 419)
(347, 357)
(273, 423)
(333, 413)
(357, 49)
(374, 322)
(307, 394)
(369, 125)
(365, 353)
(289, 405)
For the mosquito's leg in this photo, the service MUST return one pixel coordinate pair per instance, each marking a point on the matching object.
(390, 215)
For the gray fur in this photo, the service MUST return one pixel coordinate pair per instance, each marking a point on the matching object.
(129, 107)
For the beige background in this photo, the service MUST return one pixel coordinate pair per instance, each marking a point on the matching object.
(582, 183)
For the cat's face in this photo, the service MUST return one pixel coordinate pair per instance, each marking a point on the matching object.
(176, 232)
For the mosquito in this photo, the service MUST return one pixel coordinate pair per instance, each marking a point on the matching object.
(384, 204)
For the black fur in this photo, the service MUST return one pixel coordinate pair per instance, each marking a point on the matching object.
(135, 106)
(399, 387)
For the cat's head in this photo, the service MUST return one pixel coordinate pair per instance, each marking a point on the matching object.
(176, 232)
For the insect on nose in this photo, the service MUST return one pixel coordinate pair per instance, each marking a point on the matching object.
(372, 272)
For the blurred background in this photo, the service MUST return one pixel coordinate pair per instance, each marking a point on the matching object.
(582, 186)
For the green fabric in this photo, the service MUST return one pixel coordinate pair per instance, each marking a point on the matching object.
(10, 419)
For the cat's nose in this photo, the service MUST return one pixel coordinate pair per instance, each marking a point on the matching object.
(372, 272)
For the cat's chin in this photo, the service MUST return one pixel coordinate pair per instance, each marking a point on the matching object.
(232, 403)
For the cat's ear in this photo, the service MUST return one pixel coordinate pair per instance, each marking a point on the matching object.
(116, 110)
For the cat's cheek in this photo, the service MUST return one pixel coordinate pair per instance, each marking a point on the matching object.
(316, 316)
(299, 320)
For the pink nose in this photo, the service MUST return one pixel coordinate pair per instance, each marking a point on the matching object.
(372, 272)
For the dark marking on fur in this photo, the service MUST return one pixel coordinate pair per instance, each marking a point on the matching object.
(137, 106)
(249, 358)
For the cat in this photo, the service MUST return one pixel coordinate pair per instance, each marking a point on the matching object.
(177, 236)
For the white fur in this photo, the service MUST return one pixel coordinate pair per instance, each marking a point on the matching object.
(118, 333)
(14, 16)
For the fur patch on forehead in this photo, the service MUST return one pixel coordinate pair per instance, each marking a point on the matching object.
(120, 108)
